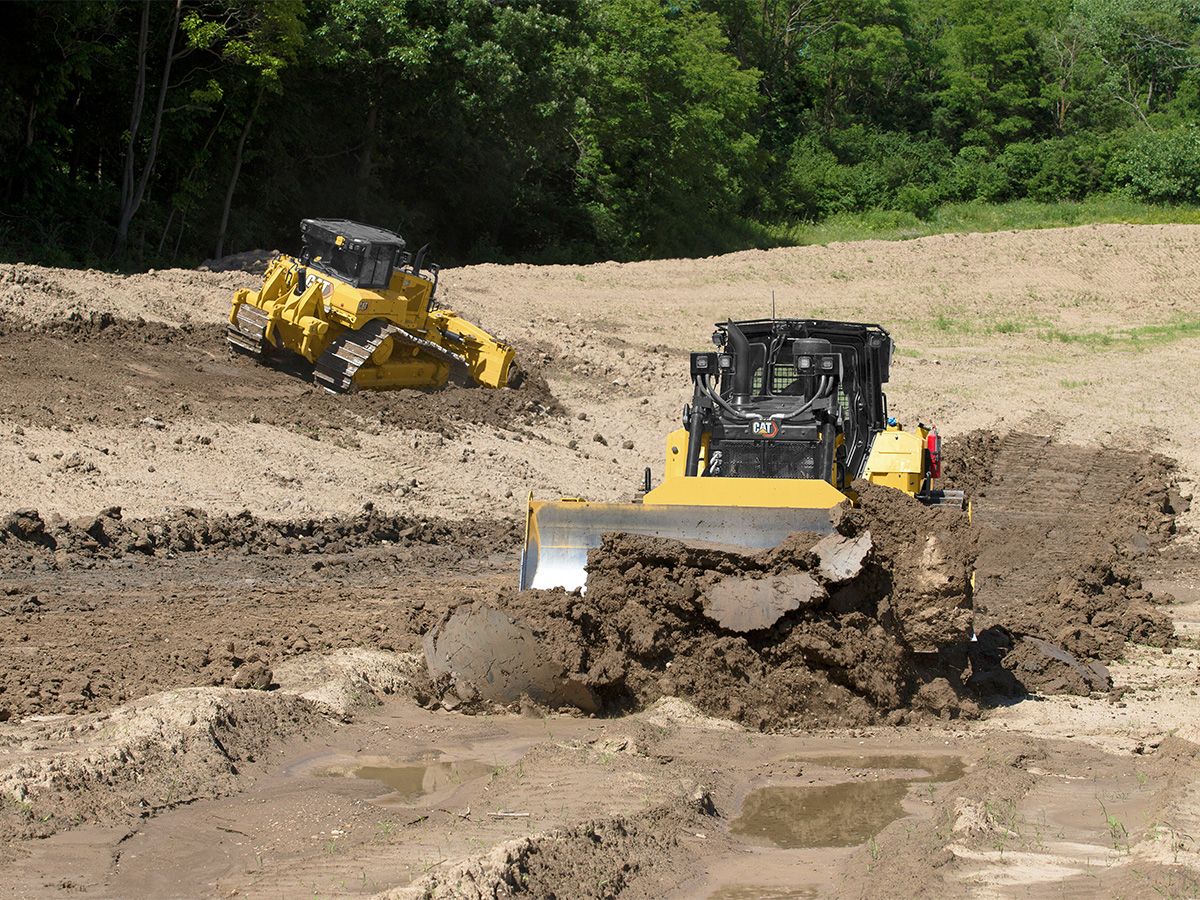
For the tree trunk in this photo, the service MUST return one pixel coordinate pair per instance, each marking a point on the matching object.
(367, 161)
(237, 171)
(131, 193)
(135, 117)
(162, 240)
(187, 178)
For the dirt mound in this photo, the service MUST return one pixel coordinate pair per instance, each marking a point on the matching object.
(27, 539)
(138, 370)
(832, 636)
(39, 293)
(1062, 529)
(600, 858)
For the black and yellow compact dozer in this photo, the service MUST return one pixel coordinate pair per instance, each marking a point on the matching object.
(363, 312)
(785, 415)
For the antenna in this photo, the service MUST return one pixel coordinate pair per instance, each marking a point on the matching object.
(772, 306)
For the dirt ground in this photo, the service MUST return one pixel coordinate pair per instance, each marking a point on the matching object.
(213, 678)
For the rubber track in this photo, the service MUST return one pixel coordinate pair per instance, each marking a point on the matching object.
(337, 366)
(248, 335)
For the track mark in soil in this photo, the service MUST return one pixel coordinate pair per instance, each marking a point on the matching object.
(1064, 532)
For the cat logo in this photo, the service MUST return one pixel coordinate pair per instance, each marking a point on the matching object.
(326, 286)
(765, 428)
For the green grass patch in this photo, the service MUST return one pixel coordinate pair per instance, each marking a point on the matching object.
(1016, 215)
(1008, 327)
(1134, 338)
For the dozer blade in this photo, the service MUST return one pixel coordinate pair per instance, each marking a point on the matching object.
(559, 534)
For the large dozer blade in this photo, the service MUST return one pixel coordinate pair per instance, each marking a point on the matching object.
(559, 533)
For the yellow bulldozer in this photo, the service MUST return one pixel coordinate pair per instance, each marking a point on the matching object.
(784, 416)
(362, 311)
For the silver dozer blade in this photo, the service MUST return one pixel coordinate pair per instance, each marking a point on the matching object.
(559, 534)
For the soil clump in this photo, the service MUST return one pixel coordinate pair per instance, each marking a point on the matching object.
(852, 650)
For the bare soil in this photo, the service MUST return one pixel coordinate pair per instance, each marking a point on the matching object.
(216, 585)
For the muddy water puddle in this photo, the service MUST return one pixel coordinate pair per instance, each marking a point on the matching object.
(411, 781)
(406, 781)
(842, 814)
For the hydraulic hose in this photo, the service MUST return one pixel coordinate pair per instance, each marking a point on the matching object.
(824, 387)
(695, 434)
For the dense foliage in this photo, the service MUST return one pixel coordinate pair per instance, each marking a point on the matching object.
(143, 133)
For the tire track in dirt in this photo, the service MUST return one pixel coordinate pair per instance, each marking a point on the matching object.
(1063, 533)
(1048, 506)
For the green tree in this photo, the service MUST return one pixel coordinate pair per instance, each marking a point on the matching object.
(664, 142)
(993, 73)
(1147, 47)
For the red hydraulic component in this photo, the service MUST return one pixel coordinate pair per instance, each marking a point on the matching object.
(934, 445)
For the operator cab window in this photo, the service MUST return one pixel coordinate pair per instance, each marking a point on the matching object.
(337, 261)
(377, 267)
(345, 263)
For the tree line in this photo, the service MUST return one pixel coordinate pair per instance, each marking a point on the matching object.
(151, 133)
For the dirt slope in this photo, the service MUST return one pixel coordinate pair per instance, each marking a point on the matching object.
(147, 635)
(1007, 330)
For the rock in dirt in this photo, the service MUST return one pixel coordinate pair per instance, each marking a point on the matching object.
(750, 604)
(1044, 668)
(487, 656)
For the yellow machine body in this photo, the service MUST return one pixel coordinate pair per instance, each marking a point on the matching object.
(747, 513)
(379, 338)
(783, 421)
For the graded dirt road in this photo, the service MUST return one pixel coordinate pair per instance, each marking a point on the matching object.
(139, 756)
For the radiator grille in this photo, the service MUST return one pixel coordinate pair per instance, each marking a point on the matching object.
(770, 459)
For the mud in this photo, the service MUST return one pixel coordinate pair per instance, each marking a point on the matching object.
(647, 628)
(1062, 532)
(104, 611)
(99, 370)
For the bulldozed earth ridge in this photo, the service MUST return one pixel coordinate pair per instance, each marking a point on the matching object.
(942, 612)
